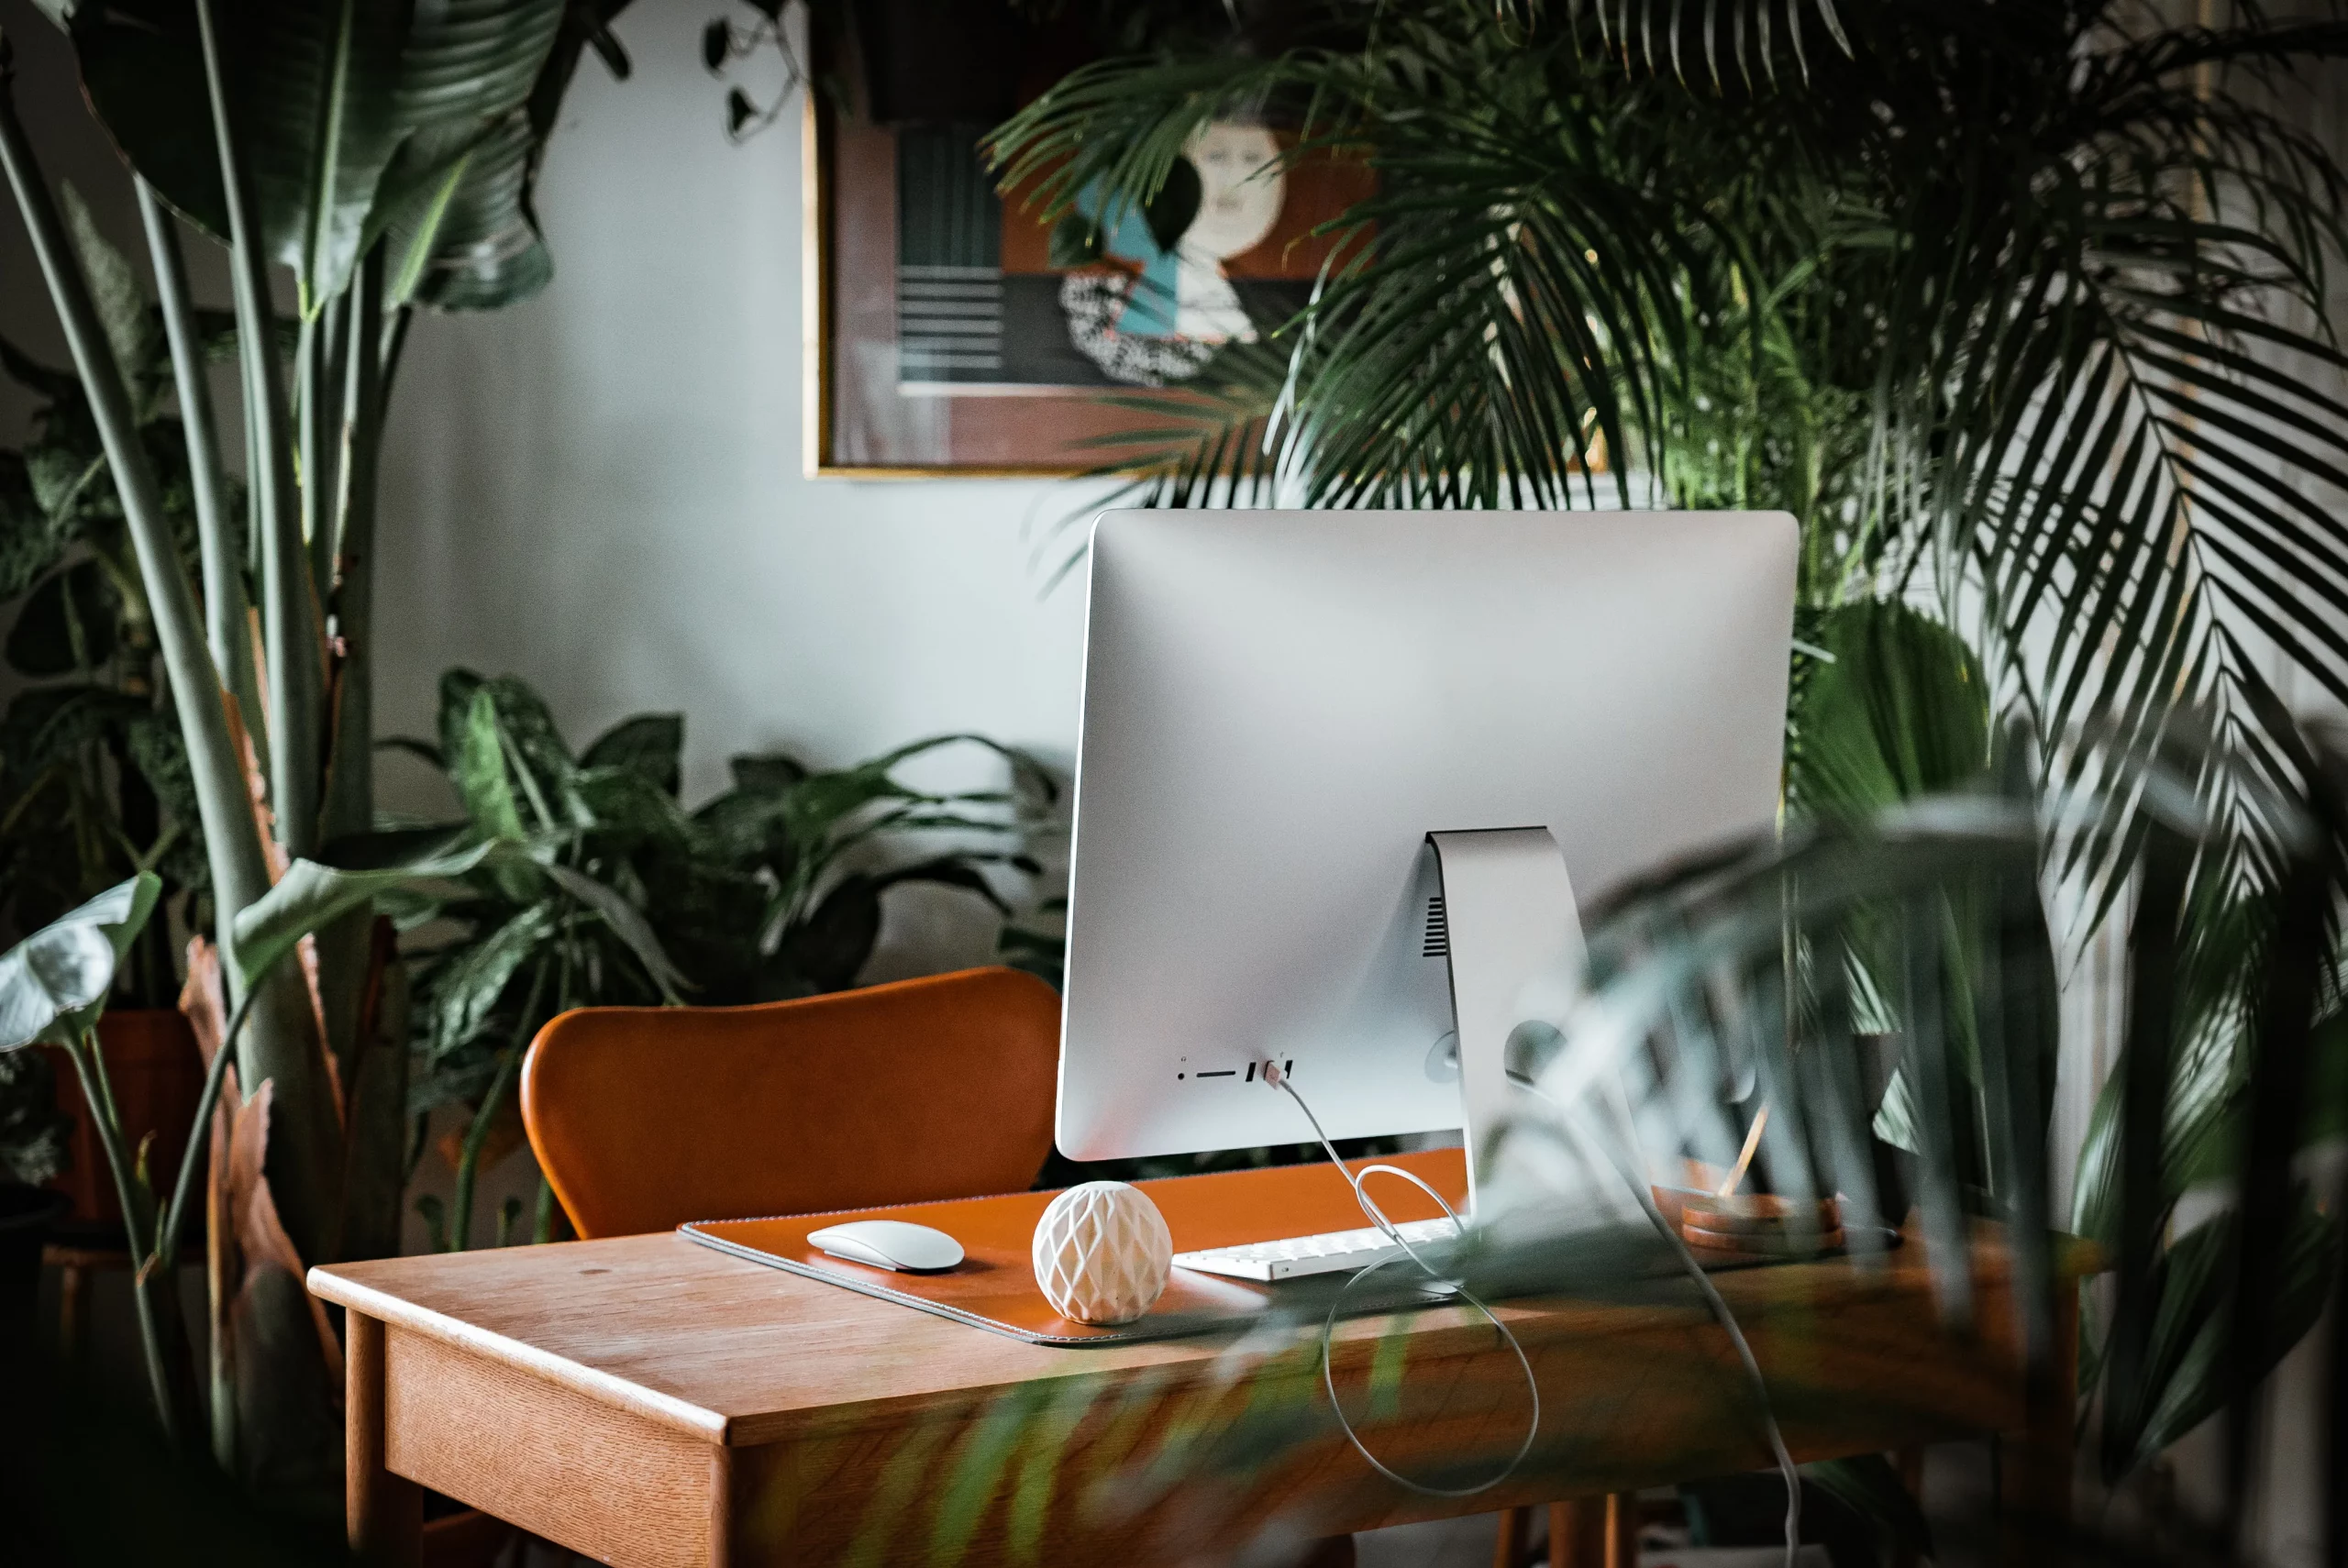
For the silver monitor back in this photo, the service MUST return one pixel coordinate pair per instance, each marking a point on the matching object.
(1279, 706)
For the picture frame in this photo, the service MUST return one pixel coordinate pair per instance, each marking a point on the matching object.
(941, 341)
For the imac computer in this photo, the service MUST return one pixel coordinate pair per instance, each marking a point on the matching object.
(1341, 775)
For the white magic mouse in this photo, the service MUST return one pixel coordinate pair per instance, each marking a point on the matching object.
(890, 1244)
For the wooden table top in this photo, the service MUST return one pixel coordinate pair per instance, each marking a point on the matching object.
(739, 1353)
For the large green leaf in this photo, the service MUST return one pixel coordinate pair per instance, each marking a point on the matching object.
(466, 991)
(624, 809)
(1900, 712)
(465, 237)
(766, 773)
(651, 744)
(2189, 1373)
(345, 111)
(538, 764)
(627, 923)
(53, 983)
(312, 895)
(56, 971)
(133, 329)
(476, 754)
(827, 950)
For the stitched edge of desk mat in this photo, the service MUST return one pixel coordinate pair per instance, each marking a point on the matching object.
(995, 1286)
(1223, 1209)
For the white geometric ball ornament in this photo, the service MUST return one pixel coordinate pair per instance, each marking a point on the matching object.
(1102, 1254)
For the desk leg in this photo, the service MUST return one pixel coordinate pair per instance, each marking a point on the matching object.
(1513, 1542)
(384, 1512)
(1578, 1533)
(1623, 1530)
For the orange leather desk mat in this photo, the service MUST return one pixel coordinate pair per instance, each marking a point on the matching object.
(994, 1286)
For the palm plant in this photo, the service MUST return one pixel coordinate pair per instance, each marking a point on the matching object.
(2021, 310)
(384, 155)
(771, 890)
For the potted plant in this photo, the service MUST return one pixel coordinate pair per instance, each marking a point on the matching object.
(94, 780)
(2021, 311)
(771, 889)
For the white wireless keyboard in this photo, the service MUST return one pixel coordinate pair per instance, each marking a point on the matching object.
(1293, 1255)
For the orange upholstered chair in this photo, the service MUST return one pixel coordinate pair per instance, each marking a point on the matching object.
(644, 1117)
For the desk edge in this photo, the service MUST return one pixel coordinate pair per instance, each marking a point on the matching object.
(2074, 1259)
(667, 1409)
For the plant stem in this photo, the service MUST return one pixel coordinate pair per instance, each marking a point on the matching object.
(223, 597)
(350, 805)
(289, 604)
(306, 1158)
(393, 343)
(167, 1241)
(461, 1223)
(97, 1097)
(222, 1371)
(344, 948)
(238, 872)
(322, 415)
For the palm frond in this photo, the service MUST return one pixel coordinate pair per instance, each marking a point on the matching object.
(2023, 311)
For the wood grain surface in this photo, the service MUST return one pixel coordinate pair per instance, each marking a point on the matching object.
(603, 1480)
(590, 1390)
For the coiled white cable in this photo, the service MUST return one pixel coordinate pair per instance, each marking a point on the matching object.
(1786, 1467)
(1376, 1216)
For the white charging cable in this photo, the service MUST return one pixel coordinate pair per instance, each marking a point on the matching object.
(1273, 1076)
(1376, 1216)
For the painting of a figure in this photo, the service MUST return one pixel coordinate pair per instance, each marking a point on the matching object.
(1150, 312)
(965, 334)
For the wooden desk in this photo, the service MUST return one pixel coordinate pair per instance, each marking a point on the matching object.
(654, 1403)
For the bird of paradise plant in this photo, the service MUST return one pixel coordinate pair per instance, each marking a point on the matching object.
(384, 156)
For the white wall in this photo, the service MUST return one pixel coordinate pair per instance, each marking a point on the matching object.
(602, 490)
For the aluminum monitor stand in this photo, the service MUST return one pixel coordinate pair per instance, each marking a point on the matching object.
(1512, 926)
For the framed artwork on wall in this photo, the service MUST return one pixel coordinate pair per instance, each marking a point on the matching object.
(949, 335)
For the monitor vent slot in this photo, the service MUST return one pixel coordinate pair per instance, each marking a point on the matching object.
(1437, 944)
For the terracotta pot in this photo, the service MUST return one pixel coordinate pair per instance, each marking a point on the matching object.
(1759, 1213)
(158, 1076)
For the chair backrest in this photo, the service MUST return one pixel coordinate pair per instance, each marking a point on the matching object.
(645, 1118)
